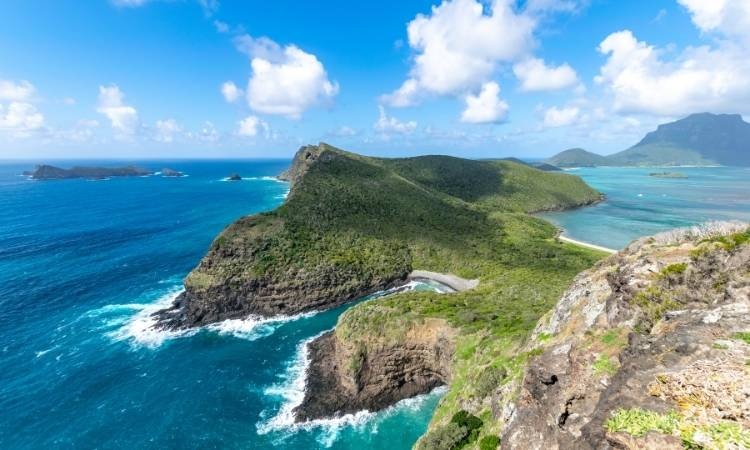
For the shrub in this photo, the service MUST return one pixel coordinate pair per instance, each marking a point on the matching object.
(489, 443)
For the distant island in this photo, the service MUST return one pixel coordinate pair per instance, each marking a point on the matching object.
(234, 177)
(47, 172)
(703, 139)
(667, 175)
(166, 172)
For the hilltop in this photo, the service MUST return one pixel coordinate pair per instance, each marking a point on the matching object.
(353, 225)
(577, 157)
(699, 139)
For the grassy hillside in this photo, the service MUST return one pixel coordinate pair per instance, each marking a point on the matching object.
(577, 157)
(366, 219)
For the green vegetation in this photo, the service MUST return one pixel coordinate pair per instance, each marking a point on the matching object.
(654, 302)
(732, 241)
(577, 157)
(489, 443)
(603, 365)
(638, 422)
(743, 336)
(673, 269)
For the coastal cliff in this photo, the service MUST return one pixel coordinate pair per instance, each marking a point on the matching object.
(354, 225)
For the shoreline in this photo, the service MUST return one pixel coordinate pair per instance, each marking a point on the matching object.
(611, 251)
(454, 282)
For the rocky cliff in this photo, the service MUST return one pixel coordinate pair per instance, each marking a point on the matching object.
(649, 349)
(350, 375)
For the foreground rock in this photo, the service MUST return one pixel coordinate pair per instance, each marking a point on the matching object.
(650, 349)
(345, 379)
(46, 172)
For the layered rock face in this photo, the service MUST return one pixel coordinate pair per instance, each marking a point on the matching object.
(346, 377)
(649, 349)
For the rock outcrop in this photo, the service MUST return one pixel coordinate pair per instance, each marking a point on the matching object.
(346, 377)
(649, 349)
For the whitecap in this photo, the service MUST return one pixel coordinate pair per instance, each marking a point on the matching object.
(254, 327)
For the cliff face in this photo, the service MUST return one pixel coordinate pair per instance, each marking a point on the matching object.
(347, 376)
(650, 349)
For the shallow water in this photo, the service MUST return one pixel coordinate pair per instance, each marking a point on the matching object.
(82, 264)
(640, 205)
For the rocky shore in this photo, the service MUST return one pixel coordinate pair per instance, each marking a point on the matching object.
(345, 379)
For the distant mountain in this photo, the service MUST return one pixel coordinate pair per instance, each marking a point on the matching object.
(699, 139)
(46, 172)
(577, 157)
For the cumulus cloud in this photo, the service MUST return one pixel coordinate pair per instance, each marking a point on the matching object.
(459, 45)
(19, 117)
(388, 125)
(535, 75)
(343, 131)
(207, 133)
(560, 117)
(166, 130)
(16, 91)
(486, 107)
(704, 78)
(122, 117)
(231, 92)
(284, 80)
(728, 17)
(250, 126)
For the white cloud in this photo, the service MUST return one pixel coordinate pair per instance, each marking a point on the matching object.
(82, 132)
(535, 75)
(230, 91)
(250, 126)
(122, 117)
(561, 117)
(13, 91)
(166, 130)
(208, 133)
(343, 131)
(459, 46)
(727, 17)
(19, 119)
(285, 80)
(698, 79)
(387, 125)
(486, 107)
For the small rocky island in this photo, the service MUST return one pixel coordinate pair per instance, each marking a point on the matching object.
(47, 172)
(167, 172)
(234, 177)
(667, 175)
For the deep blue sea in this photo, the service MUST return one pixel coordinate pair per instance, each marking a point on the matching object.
(82, 265)
(640, 205)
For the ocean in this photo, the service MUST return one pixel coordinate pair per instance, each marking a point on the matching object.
(82, 265)
(641, 205)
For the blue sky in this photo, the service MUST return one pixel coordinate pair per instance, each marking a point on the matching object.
(220, 78)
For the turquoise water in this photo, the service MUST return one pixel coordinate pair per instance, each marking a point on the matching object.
(83, 263)
(640, 205)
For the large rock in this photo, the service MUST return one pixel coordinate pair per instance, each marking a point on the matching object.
(346, 377)
(654, 328)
